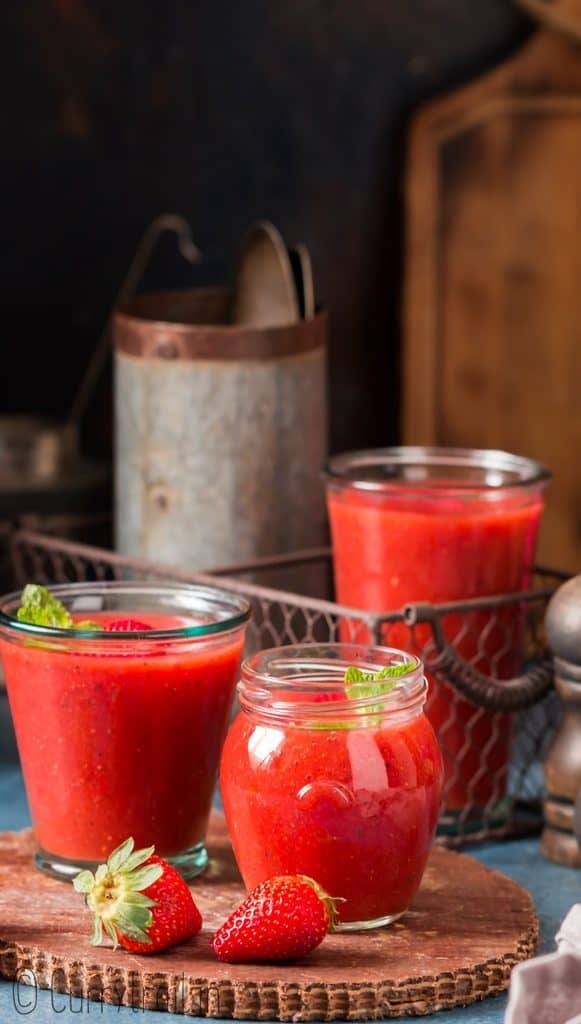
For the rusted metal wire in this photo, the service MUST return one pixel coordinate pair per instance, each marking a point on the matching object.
(468, 644)
(513, 694)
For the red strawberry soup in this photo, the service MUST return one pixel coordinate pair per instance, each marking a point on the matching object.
(443, 525)
(120, 700)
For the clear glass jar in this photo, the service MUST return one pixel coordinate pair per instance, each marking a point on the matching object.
(416, 524)
(346, 791)
(120, 733)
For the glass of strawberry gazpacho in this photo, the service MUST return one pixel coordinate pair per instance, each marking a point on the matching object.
(332, 770)
(440, 525)
(120, 712)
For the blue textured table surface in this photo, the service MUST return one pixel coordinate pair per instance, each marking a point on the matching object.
(554, 890)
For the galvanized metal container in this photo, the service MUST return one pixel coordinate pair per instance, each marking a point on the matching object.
(221, 430)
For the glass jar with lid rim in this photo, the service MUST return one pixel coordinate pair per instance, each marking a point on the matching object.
(441, 525)
(340, 783)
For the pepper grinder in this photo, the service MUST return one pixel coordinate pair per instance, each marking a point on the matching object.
(561, 838)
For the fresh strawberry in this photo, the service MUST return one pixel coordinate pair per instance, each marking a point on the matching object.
(128, 626)
(139, 900)
(283, 918)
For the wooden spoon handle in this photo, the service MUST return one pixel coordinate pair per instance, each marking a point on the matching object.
(552, 17)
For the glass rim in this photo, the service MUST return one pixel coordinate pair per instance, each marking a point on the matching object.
(528, 471)
(259, 686)
(241, 611)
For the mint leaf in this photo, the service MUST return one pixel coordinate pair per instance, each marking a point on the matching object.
(395, 671)
(354, 677)
(374, 684)
(356, 690)
(368, 684)
(41, 608)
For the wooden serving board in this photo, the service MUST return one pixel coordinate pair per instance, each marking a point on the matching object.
(492, 299)
(466, 930)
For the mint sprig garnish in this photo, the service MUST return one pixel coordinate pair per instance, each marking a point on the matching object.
(371, 684)
(374, 684)
(39, 607)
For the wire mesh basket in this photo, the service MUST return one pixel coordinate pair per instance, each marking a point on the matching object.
(491, 696)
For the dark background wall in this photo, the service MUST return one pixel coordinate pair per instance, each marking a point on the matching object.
(224, 112)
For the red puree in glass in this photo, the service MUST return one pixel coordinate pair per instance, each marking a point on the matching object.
(356, 809)
(121, 743)
(389, 551)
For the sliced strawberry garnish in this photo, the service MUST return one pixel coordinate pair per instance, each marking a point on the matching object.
(128, 626)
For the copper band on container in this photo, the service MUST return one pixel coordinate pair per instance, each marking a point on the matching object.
(194, 324)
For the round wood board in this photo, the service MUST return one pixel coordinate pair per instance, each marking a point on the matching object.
(465, 931)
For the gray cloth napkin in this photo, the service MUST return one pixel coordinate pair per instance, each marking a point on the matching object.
(547, 989)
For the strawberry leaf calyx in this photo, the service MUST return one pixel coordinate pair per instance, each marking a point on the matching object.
(115, 894)
(330, 902)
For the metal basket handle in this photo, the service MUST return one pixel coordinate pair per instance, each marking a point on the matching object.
(552, 17)
(493, 694)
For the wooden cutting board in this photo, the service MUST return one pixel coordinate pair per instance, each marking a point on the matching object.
(466, 930)
(492, 347)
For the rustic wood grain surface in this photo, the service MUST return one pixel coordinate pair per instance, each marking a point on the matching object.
(493, 303)
(458, 943)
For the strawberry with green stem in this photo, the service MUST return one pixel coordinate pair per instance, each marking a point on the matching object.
(284, 918)
(139, 900)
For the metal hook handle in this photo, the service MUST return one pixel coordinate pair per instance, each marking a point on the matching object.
(493, 694)
(190, 252)
(552, 18)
